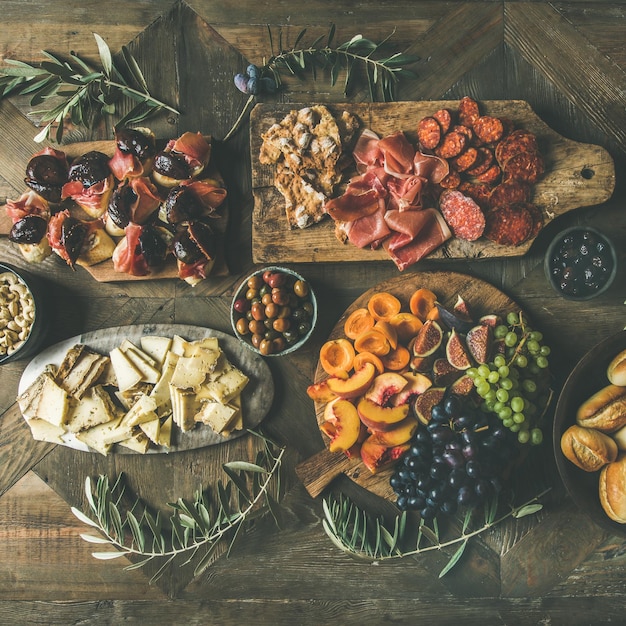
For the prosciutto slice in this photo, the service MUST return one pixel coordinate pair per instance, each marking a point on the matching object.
(127, 255)
(125, 165)
(29, 203)
(369, 230)
(193, 146)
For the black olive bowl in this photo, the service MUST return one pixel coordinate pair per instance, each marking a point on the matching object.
(588, 376)
(36, 336)
(577, 262)
(311, 319)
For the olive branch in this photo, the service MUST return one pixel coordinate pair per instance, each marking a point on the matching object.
(88, 94)
(196, 527)
(369, 539)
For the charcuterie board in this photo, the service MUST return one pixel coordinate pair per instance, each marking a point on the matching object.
(104, 272)
(320, 470)
(576, 175)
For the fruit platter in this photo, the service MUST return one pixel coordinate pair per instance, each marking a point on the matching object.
(295, 220)
(433, 374)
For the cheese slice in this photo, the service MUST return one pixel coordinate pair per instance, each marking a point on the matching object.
(161, 391)
(126, 373)
(165, 433)
(28, 400)
(178, 345)
(207, 343)
(236, 423)
(128, 345)
(151, 430)
(150, 374)
(157, 347)
(191, 371)
(53, 403)
(142, 411)
(138, 442)
(184, 406)
(44, 431)
(229, 384)
(83, 373)
(97, 438)
(217, 415)
(95, 407)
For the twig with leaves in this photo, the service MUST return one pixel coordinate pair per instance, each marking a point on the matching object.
(354, 532)
(196, 527)
(88, 94)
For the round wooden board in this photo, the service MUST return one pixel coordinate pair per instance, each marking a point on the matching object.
(482, 299)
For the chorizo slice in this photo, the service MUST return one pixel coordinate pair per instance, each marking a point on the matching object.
(467, 159)
(525, 167)
(518, 141)
(485, 161)
(444, 118)
(479, 192)
(429, 133)
(464, 216)
(468, 111)
(452, 144)
(488, 129)
(509, 224)
(451, 181)
(509, 192)
(491, 175)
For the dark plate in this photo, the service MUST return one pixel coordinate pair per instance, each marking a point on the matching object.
(587, 377)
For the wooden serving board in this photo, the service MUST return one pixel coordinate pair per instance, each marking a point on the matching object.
(320, 470)
(104, 272)
(577, 175)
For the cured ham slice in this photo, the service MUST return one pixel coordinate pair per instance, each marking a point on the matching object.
(125, 165)
(195, 149)
(29, 203)
(370, 229)
(398, 154)
(127, 256)
(409, 223)
(366, 152)
(433, 233)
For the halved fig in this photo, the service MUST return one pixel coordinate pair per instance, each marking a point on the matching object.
(182, 204)
(90, 168)
(452, 320)
(122, 199)
(30, 229)
(428, 339)
(46, 174)
(204, 237)
(491, 319)
(134, 141)
(424, 403)
(478, 340)
(73, 234)
(172, 166)
(461, 309)
(463, 386)
(444, 373)
(153, 246)
(456, 351)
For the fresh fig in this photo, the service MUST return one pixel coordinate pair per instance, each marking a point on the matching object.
(424, 403)
(462, 386)
(456, 351)
(428, 339)
(461, 310)
(452, 320)
(478, 340)
(422, 364)
(490, 320)
(444, 373)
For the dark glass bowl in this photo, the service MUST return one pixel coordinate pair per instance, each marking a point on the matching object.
(37, 333)
(577, 262)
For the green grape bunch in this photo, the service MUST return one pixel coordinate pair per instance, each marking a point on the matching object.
(515, 384)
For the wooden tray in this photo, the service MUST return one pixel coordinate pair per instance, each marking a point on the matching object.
(577, 175)
(319, 471)
(104, 272)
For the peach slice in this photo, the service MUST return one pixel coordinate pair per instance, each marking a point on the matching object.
(384, 386)
(377, 456)
(402, 432)
(416, 383)
(320, 392)
(380, 418)
(388, 331)
(342, 425)
(355, 385)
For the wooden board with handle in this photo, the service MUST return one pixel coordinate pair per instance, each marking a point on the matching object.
(105, 272)
(577, 175)
(317, 472)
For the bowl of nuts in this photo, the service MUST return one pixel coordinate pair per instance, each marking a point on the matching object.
(21, 315)
(274, 311)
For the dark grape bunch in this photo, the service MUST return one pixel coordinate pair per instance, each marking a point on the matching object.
(457, 460)
(515, 385)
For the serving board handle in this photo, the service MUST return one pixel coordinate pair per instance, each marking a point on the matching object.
(318, 471)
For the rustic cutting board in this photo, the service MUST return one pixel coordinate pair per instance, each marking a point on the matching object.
(104, 272)
(577, 175)
(319, 471)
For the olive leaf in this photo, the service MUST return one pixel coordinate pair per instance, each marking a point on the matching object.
(88, 94)
(354, 532)
(196, 526)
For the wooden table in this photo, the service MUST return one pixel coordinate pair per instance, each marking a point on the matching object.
(568, 61)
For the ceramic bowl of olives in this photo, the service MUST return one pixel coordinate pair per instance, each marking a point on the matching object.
(274, 311)
(580, 263)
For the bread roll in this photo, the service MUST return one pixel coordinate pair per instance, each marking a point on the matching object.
(612, 488)
(619, 437)
(587, 448)
(605, 410)
(616, 371)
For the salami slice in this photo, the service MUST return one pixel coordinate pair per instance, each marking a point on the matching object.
(509, 192)
(485, 160)
(463, 215)
(479, 192)
(467, 159)
(509, 225)
(518, 141)
(525, 167)
(468, 111)
(537, 216)
(429, 133)
(488, 129)
(451, 181)
(444, 118)
(464, 130)
(491, 175)
(452, 144)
